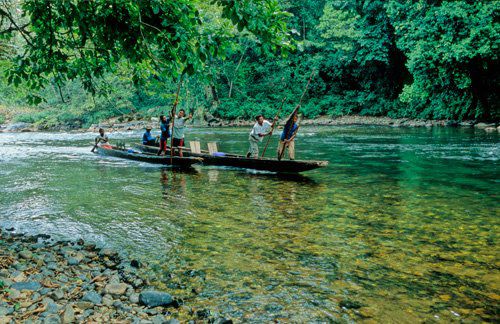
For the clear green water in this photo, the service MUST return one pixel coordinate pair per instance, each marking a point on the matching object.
(402, 226)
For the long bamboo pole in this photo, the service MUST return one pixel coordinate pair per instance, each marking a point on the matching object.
(173, 119)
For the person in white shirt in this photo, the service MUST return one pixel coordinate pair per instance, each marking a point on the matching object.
(178, 131)
(261, 129)
(102, 138)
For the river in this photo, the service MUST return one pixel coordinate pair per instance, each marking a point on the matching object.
(402, 226)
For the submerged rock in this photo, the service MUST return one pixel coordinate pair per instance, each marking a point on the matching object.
(350, 304)
(155, 298)
(26, 254)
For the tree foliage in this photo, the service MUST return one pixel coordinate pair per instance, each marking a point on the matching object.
(418, 59)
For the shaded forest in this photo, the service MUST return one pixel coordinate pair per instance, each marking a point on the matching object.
(420, 59)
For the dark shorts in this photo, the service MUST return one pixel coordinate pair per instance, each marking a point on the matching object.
(178, 142)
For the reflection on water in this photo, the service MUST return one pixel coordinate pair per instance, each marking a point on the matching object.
(401, 226)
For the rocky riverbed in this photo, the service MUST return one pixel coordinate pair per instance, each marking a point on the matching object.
(43, 280)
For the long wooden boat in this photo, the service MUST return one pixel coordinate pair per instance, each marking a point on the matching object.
(175, 161)
(241, 161)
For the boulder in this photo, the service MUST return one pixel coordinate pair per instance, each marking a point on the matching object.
(155, 298)
(484, 125)
(467, 123)
(16, 127)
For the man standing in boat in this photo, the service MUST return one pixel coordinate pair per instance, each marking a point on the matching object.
(165, 134)
(261, 129)
(287, 138)
(178, 130)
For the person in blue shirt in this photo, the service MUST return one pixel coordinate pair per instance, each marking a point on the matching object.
(287, 138)
(147, 138)
(165, 134)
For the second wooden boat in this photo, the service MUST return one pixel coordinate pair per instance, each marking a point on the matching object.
(241, 161)
(128, 154)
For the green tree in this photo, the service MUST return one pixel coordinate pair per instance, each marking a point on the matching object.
(452, 51)
(82, 39)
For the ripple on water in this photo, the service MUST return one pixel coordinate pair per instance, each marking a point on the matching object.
(401, 226)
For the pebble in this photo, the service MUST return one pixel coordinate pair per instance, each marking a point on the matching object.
(118, 304)
(172, 321)
(68, 315)
(14, 294)
(158, 319)
(367, 312)
(116, 289)
(57, 294)
(26, 254)
(18, 276)
(4, 311)
(106, 301)
(52, 319)
(27, 285)
(52, 266)
(83, 305)
(134, 298)
(77, 284)
(108, 253)
(20, 266)
(92, 297)
(223, 320)
(73, 261)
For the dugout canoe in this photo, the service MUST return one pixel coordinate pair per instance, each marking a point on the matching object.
(175, 161)
(241, 161)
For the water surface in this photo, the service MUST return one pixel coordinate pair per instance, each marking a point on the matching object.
(402, 226)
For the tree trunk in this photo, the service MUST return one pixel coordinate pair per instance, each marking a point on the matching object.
(215, 96)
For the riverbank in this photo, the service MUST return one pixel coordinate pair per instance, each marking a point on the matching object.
(42, 279)
(128, 123)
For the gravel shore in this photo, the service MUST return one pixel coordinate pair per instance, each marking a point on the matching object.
(43, 280)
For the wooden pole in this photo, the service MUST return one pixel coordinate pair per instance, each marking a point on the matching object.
(296, 110)
(272, 126)
(173, 120)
